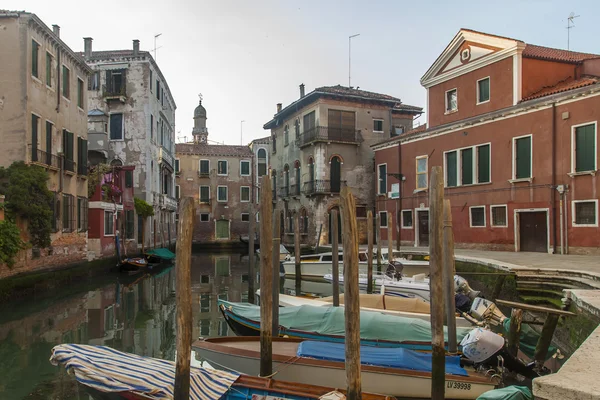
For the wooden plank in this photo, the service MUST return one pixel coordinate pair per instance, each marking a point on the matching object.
(297, 254)
(335, 264)
(275, 266)
(266, 278)
(514, 333)
(436, 215)
(369, 251)
(530, 307)
(251, 256)
(448, 278)
(181, 389)
(351, 294)
(541, 348)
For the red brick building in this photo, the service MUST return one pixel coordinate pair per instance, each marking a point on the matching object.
(111, 208)
(514, 127)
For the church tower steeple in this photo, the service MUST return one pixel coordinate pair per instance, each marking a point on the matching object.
(200, 132)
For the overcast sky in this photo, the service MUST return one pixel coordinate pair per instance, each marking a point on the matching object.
(246, 56)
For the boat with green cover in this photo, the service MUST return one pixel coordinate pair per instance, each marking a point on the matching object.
(327, 324)
(159, 255)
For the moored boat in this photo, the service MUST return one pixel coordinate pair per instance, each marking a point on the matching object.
(133, 263)
(159, 255)
(393, 372)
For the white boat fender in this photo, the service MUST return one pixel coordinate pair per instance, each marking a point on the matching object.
(481, 344)
(333, 395)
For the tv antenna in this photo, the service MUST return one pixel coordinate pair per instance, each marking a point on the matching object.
(570, 25)
(156, 48)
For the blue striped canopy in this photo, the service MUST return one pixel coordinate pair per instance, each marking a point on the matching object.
(109, 370)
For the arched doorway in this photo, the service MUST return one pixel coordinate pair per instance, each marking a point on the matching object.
(339, 222)
(335, 174)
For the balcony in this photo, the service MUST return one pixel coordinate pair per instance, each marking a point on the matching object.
(44, 159)
(166, 158)
(332, 135)
(295, 189)
(321, 187)
(284, 192)
(203, 174)
(170, 203)
(116, 93)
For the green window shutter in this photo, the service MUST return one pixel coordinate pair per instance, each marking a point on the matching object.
(79, 152)
(451, 169)
(483, 164)
(382, 179)
(84, 156)
(128, 179)
(467, 166)
(585, 148)
(34, 137)
(523, 158)
(222, 229)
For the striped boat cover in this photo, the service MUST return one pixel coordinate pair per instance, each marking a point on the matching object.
(109, 370)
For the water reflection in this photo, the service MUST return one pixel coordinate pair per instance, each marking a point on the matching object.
(136, 314)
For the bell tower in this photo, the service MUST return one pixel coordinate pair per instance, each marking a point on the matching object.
(200, 132)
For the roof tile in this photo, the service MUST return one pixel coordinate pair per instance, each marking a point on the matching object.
(562, 86)
(213, 150)
(346, 91)
(548, 53)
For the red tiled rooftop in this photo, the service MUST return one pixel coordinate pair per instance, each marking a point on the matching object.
(548, 53)
(562, 86)
(213, 150)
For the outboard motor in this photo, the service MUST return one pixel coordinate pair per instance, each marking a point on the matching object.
(462, 302)
(486, 310)
(394, 270)
(462, 286)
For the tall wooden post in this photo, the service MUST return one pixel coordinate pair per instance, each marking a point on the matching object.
(275, 269)
(266, 278)
(351, 295)
(297, 266)
(541, 348)
(319, 238)
(369, 251)
(448, 277)
(390, 237)
(514, 333)
(436, 216)
(378, 238)
(335, 260)
(181, 389)
(251, 272)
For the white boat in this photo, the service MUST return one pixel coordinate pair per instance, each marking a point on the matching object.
(242, 354)
(317, 265)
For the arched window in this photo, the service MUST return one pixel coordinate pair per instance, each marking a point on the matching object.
(274, 183)
(296, 189)
(297, 127)
(262, 162)
(335, 174)
(303, 221)
(310, 186)
(286, 135)
(286, 181)
(116, 163)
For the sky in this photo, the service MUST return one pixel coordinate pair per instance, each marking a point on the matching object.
(247, 56)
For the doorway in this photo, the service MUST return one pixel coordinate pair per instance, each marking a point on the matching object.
(423, 228)
(533, 231)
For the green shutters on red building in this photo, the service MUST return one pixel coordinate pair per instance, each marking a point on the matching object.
(585, 148)
(523, 158)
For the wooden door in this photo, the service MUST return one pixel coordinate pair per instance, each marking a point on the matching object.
(533, 231)
(423, 228)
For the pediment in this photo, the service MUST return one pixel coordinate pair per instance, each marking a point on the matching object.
(468, 52)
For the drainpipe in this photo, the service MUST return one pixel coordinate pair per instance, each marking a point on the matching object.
(566, 220)
(553, 196)
(400, 194)
(562, 239)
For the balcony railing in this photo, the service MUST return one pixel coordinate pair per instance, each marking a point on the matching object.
(327, 134)
(82, 170)
(70, 165)
(284, 192)
(44, 158)
(110, 93)
(322, 187)
(203, 174)
(295, 189)
(164, 156)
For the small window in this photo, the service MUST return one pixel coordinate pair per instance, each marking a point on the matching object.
(407, 219)
(109, 223)
(204, 194)
(483, 90)
(79, 93)
(157, 89)
(585, 213)
(584, 147)
(205, 167)
(383, 219)
(377, 125)
(499, 218)
(35, 58)
(177, 170)
(245, 193)
(382, 179)
(245, 168)
(522, 157)
(477, 216)
(177, 192)
(66, 82)
(204, 217)
(48, 69)
(151, 80)
(421, 172)
(245, 217)
(451, 101)
(116, 126)
(222, 167)
(361, 212)
(222, 193)
(297, 128)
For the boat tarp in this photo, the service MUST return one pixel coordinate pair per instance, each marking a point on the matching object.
(329, 320)
(395, 357)
(108, 370)
(163, 253)
(508, 393)
(528, 339)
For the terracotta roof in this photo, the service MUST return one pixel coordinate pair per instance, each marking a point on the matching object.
(407, 107)
(346, 91)
(262, 140)
(562, 86)
(548, 53)
(213, 150)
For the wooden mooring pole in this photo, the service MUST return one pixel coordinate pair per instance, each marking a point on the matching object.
(514, 334)
(181, 389)
(436, 218)
(251, 272)
(369, 251)
(266, 278)
(335, 260)
(351, 294)
(297, 265)
(378, 239)
(448, 278)
(390, 237)
(275, 255)
(541, 348)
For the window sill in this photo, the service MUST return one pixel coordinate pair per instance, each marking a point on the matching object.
(484, 226)
(383, 227)
(519, 180)
(419, 190)
(584, 225)
(116, 140)
(469, 185)
(482, 102)
(498, 226)
(66, 99)
(378, 132)
(448, 112)
(574, 174)
(80, 109)
(50, 88)
(36, 79)
(407, 227)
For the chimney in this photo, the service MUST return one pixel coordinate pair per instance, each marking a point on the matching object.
(136, 47)
(87, 47)
(279, 107)
(56, 30)
(301, 90)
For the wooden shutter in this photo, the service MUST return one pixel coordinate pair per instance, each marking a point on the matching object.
(71, 146)
(34, 137)
(523, 158)
(483, 164)
(48, 138)
(451, 169)
(79, 153)
(467, 166)
(84, 156)
(334, 119)
(585, 148)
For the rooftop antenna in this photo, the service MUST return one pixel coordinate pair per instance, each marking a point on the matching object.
(570, 25)
(350, 57)
(156, 48)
